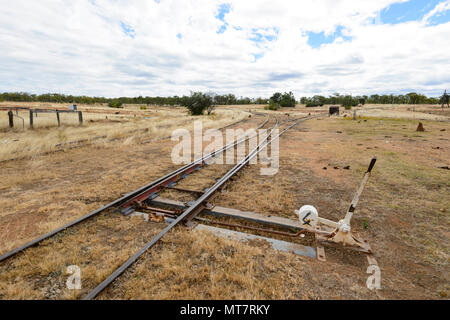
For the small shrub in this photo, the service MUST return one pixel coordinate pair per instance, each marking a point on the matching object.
(115, 104)
(365, 224)
(143, 108)
(272, 106)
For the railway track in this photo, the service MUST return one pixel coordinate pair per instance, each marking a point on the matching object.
(175, 175)
(137, 198)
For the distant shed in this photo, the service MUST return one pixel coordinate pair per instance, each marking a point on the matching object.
(334, 110)
(73, 107)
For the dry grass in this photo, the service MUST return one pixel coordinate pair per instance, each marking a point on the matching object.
(403, 112)
(52, 190)
(55, 189)
(401, 206)
(98, 247)
(198, 265)
(155, 123)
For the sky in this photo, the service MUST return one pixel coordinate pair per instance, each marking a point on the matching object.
(251, 48)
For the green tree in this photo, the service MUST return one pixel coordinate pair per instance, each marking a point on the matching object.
(197, 103)
(276, 98)
(261, 101)
(335, 98)
(287, 100)
(349, 102)
(362, 100)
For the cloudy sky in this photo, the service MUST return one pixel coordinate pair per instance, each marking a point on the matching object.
(251, 48)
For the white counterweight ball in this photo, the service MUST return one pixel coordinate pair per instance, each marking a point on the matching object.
(308, 216)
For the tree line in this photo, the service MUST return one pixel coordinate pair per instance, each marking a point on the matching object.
(277, 100)
(348, 100)
(229, 99)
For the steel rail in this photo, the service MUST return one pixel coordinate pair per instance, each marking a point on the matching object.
(192, 209)
(189, 168)
(144, 195)
(125, 198)
(236, 225)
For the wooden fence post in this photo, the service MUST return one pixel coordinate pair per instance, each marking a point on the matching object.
(57, 117)
(80, 117)
(11, 119)
(31, 119)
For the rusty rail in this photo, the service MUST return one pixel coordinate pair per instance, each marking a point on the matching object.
(163, 181)
(194, 209)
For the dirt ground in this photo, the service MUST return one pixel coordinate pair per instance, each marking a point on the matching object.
(403, 213)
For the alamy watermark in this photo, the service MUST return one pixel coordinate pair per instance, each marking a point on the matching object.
(374, 281)
(192, 147)
(74, 281)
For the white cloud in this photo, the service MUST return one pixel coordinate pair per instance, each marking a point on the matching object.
(441, 7)
(79, 47)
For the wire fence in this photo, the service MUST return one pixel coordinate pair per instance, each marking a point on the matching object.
(28, 118)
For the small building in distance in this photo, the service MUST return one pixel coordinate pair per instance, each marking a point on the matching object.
(334, 110)
(73, 107)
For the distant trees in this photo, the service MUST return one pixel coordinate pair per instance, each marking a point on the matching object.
(277, 100)
(315, 101)
(51, 97)
(362, 100)
(226, 99)
(415, 98)
(348, 100)
(261, 101)
(336, 98)
(230, 99)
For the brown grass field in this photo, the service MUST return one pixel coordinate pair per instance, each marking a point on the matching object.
(403, 212)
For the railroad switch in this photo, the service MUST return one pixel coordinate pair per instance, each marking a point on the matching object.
(337, 232)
